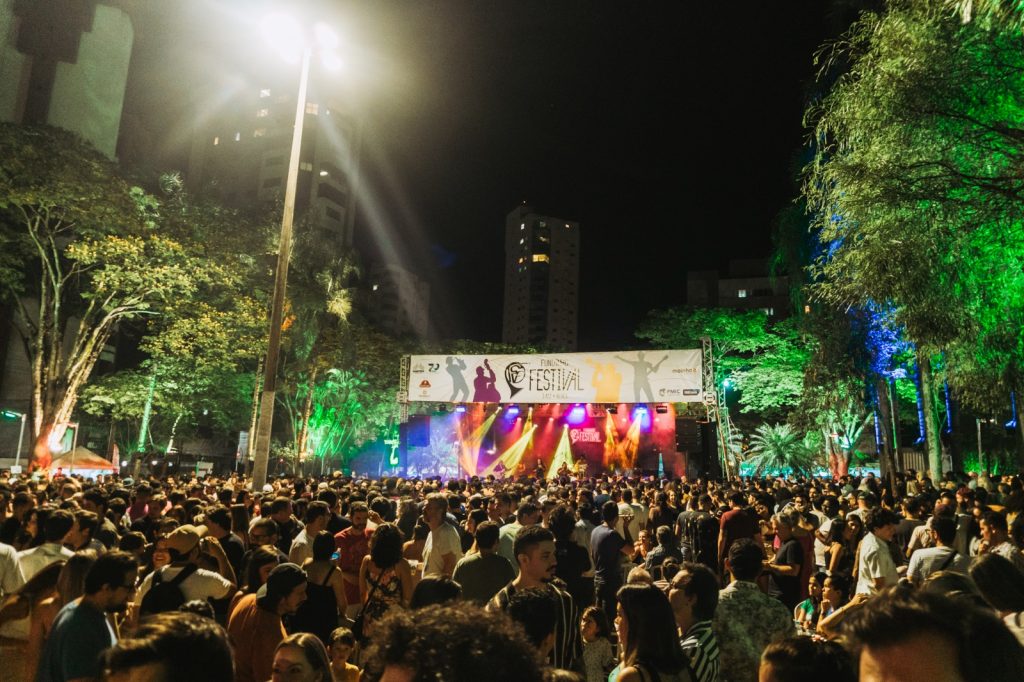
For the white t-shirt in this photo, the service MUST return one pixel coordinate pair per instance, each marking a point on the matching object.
(875, 562)
(442, 540)
(202, 584)
(301, 548)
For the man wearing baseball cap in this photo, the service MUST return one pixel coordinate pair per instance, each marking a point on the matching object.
(185, 544)
(255, 627)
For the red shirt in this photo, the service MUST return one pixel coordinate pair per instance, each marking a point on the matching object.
(737, 524)
(352, 546)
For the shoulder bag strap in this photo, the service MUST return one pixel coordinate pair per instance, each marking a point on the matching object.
(950, 559)
(182, 576)
(327, 578)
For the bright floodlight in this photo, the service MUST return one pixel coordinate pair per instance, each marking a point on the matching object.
(325, 36)
(284, 34)
(331, 61)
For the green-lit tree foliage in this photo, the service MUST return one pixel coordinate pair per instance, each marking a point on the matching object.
(764, 362)
(777, 448)
(82, 253)
(200, 349)
(918, 191)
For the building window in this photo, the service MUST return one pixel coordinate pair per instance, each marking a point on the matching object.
(216, 141)
(807, 309)
(768, 311)
(259, 132)
(262, 113)
(522, 226)
(306, 166)
(376, 286)
(312, 108)
(265, 92)
(332, 214)
(540, 258)
(238, 137)
(522, 241)
(742, 293)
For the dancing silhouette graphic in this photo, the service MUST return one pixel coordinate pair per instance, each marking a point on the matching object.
(641, 371)
(456, 366)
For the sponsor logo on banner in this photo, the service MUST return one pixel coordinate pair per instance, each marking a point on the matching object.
(566, 378)
(584, 436)
(515, 372)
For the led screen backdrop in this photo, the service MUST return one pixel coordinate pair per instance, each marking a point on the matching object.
(664, 376)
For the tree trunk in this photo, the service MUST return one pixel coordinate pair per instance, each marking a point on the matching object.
(888, 435)
(257, 386)
(301, 440)
(1020, 431)
(924, 368)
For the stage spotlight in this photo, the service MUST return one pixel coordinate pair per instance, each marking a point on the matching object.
(442, 408)
(460, 408)
(577, 415)
(512, 411)
(661, 408)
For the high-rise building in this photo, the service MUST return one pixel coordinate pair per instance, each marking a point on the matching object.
(542, 265)
(748, 286)
(397, 301)
(241, 154)
(65, 63)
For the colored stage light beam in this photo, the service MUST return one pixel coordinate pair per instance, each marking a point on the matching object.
(563, 454)
(469, 448)
(631, 443)
(510, 458)
(610, 442)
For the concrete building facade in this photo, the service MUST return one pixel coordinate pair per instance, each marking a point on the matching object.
(542, 264)
(397, 301)
(748, 285)
(241, 155)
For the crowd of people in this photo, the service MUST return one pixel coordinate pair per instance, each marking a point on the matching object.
(620, 578)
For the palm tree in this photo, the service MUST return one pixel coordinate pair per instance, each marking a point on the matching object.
(777, 448)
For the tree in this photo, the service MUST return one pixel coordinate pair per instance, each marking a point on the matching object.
(82, 253)
(776, 448)
(764, 361)
(915, 185)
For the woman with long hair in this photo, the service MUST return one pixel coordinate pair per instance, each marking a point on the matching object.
(1000, 582)
(325, 591)
(70, 586)
(262, 561)
(385, 578)
(15, 619)
(840, 546)
(301, 657)
(648, 638)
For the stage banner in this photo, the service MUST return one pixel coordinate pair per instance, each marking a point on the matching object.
(666, 376)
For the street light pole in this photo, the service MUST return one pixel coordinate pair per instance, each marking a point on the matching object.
(266, 418)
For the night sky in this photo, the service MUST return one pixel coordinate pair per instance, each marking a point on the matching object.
(670, 131)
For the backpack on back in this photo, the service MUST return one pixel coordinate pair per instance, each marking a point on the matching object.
(165, 596)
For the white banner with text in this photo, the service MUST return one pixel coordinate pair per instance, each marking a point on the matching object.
(665, 376)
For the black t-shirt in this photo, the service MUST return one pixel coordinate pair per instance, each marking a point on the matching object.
(789, 554)
(234, 550)
(606, 550)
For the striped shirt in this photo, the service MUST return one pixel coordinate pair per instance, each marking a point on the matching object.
(568, 645)
(701, 648)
